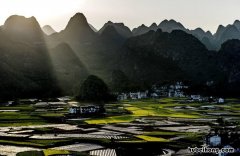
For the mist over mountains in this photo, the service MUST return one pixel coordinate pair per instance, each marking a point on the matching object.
(39, 62)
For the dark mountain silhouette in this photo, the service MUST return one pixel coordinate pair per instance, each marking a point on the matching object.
(229, 56)
(170, 25)
(21, 29)
(219, 32)
(144, 29)
(76, 32)
(153, 27)
(68, 68)
(119, 27)
(96, 51)
(35, 64)
(78, 29)
(230, 32)
(165, 26)
(79, 36)
(237, 24)
(93, 28)
(209, 43)
(25, 62)
(205, 37)
(156, 56)
(110, 33)
(226, 33)
(140, 30)
(48, 30)
(200, 34)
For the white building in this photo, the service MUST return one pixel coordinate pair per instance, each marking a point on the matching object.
(221, 100)
(138, 95)
(196, 97)
(154, 95)
(122, 96)
(215, 140)
(134, 96)
(83, 110)
(143, 95)
(171, 90)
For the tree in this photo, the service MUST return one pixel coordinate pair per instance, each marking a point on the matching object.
(93, 89)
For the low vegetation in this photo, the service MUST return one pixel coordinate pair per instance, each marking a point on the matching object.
(151, 138)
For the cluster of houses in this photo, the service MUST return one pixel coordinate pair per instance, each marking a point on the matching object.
(173, 90)
(77, 109)
(176, 90)
(199, 98)
(169, 90)
(85, 110)
(133, 95)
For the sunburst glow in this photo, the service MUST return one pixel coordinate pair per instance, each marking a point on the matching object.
(43, 10)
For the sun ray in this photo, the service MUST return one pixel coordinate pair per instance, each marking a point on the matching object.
(43, 9)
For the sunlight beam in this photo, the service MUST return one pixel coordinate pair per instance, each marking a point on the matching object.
(44, 10)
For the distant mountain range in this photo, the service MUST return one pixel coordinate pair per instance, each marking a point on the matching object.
(41, 62)
(211, 41)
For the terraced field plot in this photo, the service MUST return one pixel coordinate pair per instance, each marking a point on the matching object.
(158, 108)
(169, 122)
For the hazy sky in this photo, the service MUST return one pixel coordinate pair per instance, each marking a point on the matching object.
(207, 14)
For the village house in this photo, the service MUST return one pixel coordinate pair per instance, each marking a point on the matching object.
(221, 100)
(138, 95)
(196, 98)
(173, 90)
(122, 96)
(85, 110)
(154, 95)
(9, 103)
(132, 95)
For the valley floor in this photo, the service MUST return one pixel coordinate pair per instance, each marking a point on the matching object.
(154, 126)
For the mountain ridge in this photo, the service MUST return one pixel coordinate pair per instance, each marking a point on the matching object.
(47, 63)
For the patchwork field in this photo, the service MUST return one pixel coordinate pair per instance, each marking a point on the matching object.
(172, 123)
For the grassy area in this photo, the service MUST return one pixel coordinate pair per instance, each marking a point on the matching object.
(33, 142)
(21, 143)
(149, 107)
(151, 138)
(127, 111)
(49, 152)
(19, 107)
(25, 115)
(161, 112)
(19, 119)
(113, 119)
(164, 133)
(53, 115)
